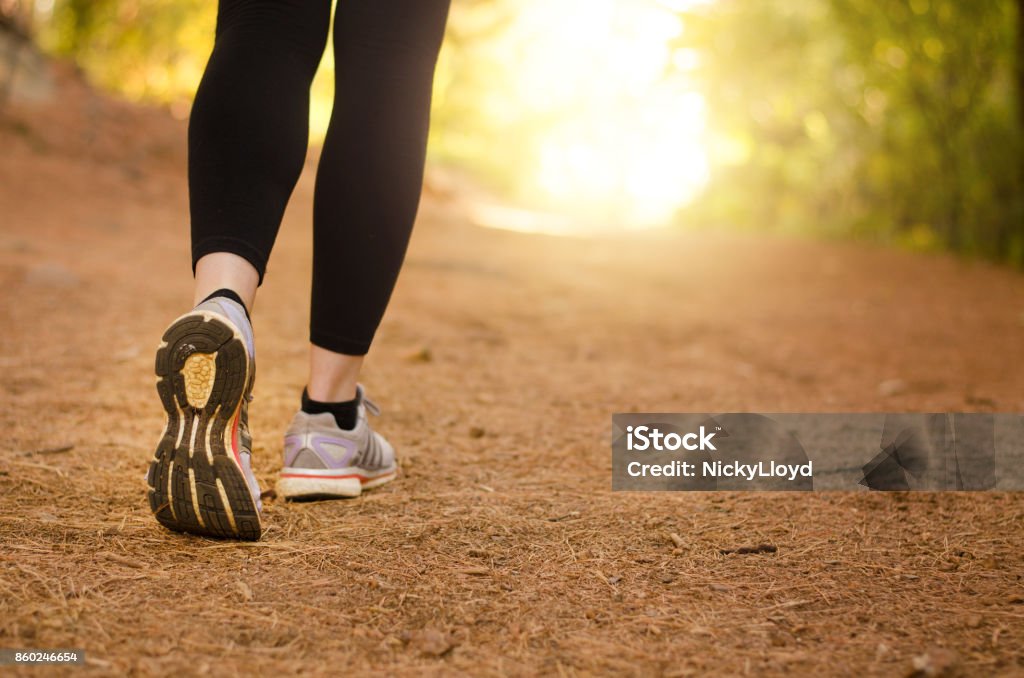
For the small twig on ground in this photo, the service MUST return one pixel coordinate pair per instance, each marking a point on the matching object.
(50, 450)
(760, 548)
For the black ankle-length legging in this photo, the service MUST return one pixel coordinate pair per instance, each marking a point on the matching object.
(249, 129)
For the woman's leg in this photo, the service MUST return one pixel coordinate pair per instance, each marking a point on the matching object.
(247, 142)
(248, 134)
(367, 192)
(332, 376)
(370, 177)
(222, 270)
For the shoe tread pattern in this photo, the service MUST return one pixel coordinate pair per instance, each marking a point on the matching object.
(174, 461)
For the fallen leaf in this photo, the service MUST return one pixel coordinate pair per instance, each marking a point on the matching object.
(420, 355)
(244, 590)
(430, 642)
(935, 663)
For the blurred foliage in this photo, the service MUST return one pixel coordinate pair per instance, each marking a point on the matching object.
(471, 125)
(145, 49)
(893, 120)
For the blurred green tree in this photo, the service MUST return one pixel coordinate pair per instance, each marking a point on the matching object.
(897, 120)
(145, 49)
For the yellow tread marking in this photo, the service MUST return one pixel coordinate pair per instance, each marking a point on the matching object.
(192, 440)
(209, 430)
(170, 492)
(199, 372)
(227, 506)
(195, 497)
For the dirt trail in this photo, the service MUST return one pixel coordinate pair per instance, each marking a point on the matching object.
(501, 550)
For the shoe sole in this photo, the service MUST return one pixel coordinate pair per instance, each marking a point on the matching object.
(313, 484)
(196, 482)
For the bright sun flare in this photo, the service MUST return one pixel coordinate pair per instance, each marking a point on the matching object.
(626, 147)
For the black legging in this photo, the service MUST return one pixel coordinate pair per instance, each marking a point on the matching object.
(249, 129)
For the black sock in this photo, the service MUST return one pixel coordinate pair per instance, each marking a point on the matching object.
(345, 413)
(230, 294)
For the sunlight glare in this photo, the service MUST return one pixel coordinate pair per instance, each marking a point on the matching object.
(622, 145)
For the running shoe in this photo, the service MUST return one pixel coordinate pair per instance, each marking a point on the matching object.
(322, 460)
(201, 479)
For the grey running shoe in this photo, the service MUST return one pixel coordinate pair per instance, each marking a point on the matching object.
(322, 460)
(201, 478)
